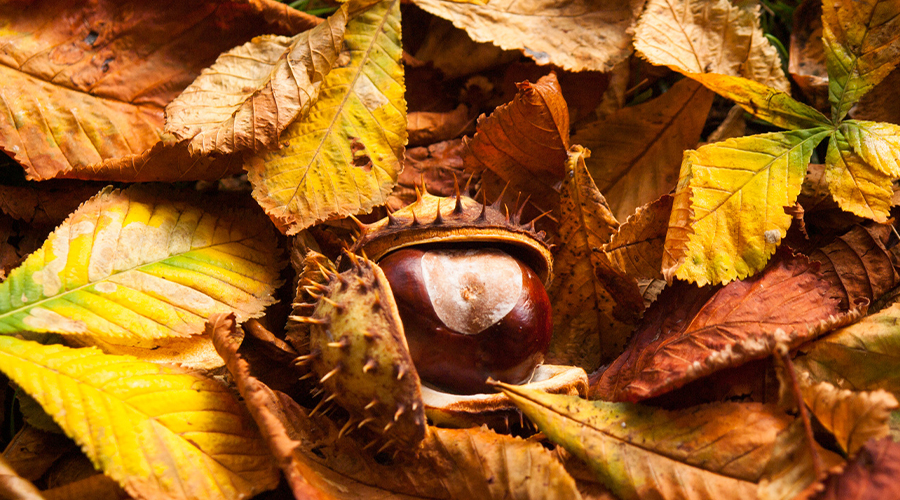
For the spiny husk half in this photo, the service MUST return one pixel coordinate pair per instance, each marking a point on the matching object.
(458, 219)
(359, 352)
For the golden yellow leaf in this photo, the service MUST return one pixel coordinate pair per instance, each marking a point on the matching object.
(693, 36)
(85, 83)
(642, 145)
(344, 158)
(877, 143)
(134, 265)
(580, 35)
(728, 213)
(595, 305)
(159, 431)
(713, 451)
(861, 48)
(854, 184)
(253, 92)
(853, 417)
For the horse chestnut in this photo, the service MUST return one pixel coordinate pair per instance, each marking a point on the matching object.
(469, 314)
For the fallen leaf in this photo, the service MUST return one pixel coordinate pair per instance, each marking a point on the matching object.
(642, 146)
(32, 451)
(159, 431)
(691, 332)
(595, 305)
(717, 36)
(581, 35)
(450, 50)
(345, 156)
(87, 82)
(95, 487)
(636, 249)
(852, 417)
(253, 92)
(854, 184)
(728, 214)
(806, 61)
(524, 142)
(137, 265)
(426, 127)
(871, 475)
(438, 165)
(861, 48)
(644, 452)
(12, 485)
(881, 103)
(791, 472)
(46, 203)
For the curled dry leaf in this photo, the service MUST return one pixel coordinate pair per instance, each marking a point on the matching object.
(427, 127)
(793, 470)
(636, 249)
(345, 156)
(871, 475)
(177, 434)
(643, 452)
(581, 35)
(642, 146)
(455, 54)
(693, 36)
(31, 452)
(524, 142)
(88, 81)
(253, 92)
(688, 334)
(595, 305)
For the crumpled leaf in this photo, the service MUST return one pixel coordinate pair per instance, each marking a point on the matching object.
(86, 82)
(581, 35)
(159, 431)
(637, 247)
(137, 265)
(728, 214)
(642, 145)
(468, 463)
(345, 156)
(871, 475)
(854, 184)
(692, 36)
(643, 452)
(860, 357)
(253, 92)
(524, 142)
(861, 48)
(685, 336)
(595, 306)
(852, 417)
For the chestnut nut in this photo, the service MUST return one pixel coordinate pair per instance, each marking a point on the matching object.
(469, 314)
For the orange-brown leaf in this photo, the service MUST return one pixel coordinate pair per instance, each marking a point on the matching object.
(687, 334)
(637, 247)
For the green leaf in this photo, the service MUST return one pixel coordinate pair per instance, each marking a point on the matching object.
(344, 158)
(728, 216)
(135, 265)
(159, 431)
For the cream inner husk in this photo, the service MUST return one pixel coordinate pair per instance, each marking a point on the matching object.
(471, 290)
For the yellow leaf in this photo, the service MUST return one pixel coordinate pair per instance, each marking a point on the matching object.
(693, 36)
(159, 431)
(579, 35)
(853, 417)
(644, 452)
(134, 265)
(344, 158)
(855, 185)
(642, 145)
(877, 143)
(595, 306)
(253, 92)
(861, 48)
(728, 217)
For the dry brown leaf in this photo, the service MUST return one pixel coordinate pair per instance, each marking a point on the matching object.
(524, 142)
(882, 103)
(427, 127)
(693, 36)
(253, 92)
(687, 334)
(792, 470)
(579, 35)
(595, 305)
(14, 486)
(451, 51)
(636, 249)
(640, 147)
(87, 81)
(439, 165)
(853, 417)
(807, 55)
(32, 451)
(96, 487)
(871, 475)
(47, 203)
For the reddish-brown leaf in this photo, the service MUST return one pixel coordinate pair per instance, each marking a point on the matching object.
(525, 141)
(46, 203)
(871, 475)
(427, 127)
(637, 247)
(684, 336)
(438, 165)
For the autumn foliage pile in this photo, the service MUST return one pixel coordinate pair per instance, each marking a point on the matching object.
(721, 204)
